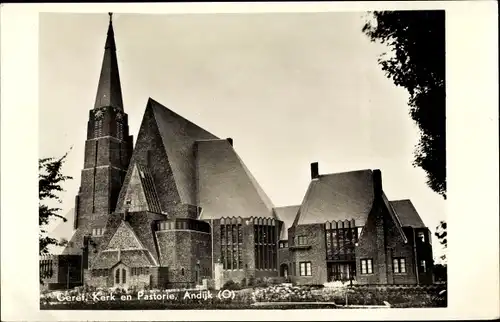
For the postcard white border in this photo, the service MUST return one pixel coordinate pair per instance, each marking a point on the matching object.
(472, 131)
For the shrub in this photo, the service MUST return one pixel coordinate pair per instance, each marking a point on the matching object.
(231, 285)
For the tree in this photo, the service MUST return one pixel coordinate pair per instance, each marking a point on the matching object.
(50, 179)
(441, 234)
(416, 61)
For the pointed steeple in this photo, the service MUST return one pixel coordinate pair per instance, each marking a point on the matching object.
(109, 92)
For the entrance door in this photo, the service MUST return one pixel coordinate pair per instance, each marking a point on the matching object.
(121, 276)
(284, 270)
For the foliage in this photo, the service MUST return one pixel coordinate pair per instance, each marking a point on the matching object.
(231, 285)
(50, 180)
(440, 273)
(416, 61)
(441, 234)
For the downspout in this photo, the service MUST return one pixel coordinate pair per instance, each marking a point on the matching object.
(415, 255)
(212, 246)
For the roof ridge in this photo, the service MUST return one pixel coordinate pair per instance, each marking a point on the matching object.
(344, 172)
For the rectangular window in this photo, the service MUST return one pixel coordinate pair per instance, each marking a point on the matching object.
(223, 257)
(98, 129)
(97, 231)
(240, 257)
(399, 265)
(423, 267)
(421, 236)
(302, 240)
(119, 131)
(235, 257)
(305, 269)
(235, 234)
(229, 234)
(366, 266)
(240, 234)
(223, 234)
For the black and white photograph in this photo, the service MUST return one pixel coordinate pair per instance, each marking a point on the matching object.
(244, 161)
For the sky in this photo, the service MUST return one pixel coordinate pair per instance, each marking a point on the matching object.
(289, 88)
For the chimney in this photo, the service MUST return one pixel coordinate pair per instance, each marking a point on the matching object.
(314, 170)
(230, 140)
(377, 182)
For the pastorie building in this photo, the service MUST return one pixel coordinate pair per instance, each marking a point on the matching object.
(180, 209)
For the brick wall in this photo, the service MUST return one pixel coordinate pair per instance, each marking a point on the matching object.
(381, 241)
(60, 266)
(149, 151)
(315, 252)
(181, 250)
(397, 248)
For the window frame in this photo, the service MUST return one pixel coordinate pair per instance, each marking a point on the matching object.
(307, 268)
(423, 266)
(368, 269)
(421, 236)
(399, 265)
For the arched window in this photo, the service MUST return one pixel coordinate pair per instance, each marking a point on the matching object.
(124, 275)
(117, 276)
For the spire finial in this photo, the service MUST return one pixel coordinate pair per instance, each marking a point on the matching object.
(110, 17)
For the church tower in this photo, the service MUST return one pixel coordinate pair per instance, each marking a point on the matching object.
(108, 149)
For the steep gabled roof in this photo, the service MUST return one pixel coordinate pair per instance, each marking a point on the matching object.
(407, 214)
(123, 241)
(178, 136)
(338, 197)
(225, 186)
(131, 258)
(287, 215)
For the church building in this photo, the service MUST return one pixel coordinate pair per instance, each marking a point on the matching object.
(180, 208)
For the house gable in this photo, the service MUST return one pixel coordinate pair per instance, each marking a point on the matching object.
(124, 238)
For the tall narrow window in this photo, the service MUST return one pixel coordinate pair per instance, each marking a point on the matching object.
(423, 267)
(223, 257)
(240, 234)
(421, 236)
(235, 234)
(395, 265)
(124, 276)
(119, 130)
(223, 234)
(240, 257)
(98, 128)
(117, 276)
(235, 257)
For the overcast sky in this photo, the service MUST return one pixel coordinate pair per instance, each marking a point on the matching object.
(289, 88)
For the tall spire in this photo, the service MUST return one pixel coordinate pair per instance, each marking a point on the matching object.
(109, 92)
